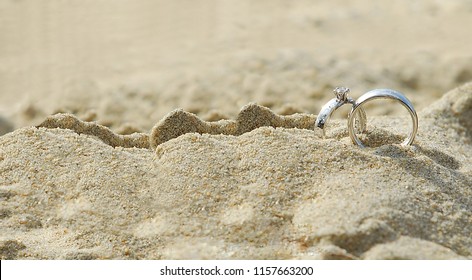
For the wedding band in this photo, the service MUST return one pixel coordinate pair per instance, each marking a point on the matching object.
(342, 98)
(382, 94)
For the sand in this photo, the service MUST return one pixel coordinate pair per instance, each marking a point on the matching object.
(146, 134)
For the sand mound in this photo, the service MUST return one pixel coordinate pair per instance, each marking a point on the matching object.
(270, 192)
(68, 121)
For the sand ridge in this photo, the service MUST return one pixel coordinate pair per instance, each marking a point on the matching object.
(250, 117)
(69, 121)
(179, 122)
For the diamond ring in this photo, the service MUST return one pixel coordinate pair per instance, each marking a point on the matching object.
(342, 98)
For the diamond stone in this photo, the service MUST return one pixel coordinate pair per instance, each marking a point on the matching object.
(341, 93)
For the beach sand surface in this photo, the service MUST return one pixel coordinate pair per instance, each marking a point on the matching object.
(176, 130)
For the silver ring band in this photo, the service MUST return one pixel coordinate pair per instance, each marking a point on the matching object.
(382, 94)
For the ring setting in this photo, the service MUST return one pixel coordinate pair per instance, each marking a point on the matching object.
(342, 98)
(357, 119)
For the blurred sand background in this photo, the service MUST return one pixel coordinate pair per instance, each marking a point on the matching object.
(269, 193)
(134, 61)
